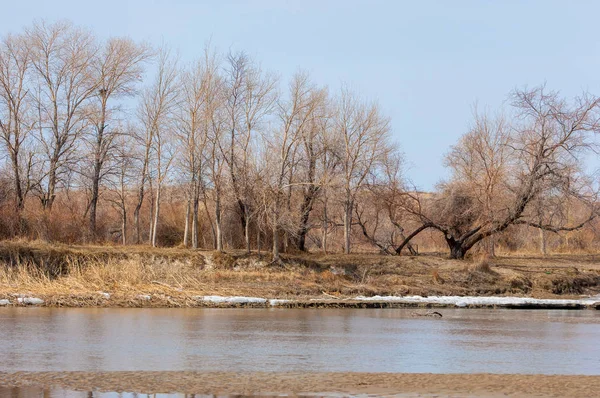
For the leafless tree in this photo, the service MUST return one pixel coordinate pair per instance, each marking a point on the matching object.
(250, 97)
(295, 113)
(214, 129)
(117, 68)
(121, 179)
(197, 90)
(62, 57)
(364, 132)
(542, 154)
(156, 116)
(314, 144)
(16, 119)
(379, 213)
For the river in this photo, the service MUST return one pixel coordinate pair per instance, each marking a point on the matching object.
(300, 340)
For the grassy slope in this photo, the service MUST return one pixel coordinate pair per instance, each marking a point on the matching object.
(73, 275)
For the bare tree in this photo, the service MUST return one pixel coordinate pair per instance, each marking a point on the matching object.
(542, 154)
(295, 113)
(364, 133)
(144, 136)
(193, 137)
(481, 162)
(16, 119)
(62, 58)
(117, 68)
(329, 163)
(250, 97)
(379, 213)
(214, 128)
(156, 116)
(313, 148)
(120, 180)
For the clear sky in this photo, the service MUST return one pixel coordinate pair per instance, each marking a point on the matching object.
(426, 62)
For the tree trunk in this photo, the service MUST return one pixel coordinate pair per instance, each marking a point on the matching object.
(276, 256)
(457, 249)
(325, 227)
(195, 223)
(48, 200)
(98, 159)
(247, 231)
(305, 210)
(347, 226)
(406, 241)
(19, 195)
(136, 221)
(543, 243)
(209, 218)
(136, 214)
(491, 246)
(124, 226)
(19, 199)
(324, 237)
(218, 223)
(243, 218)
(141, 194)
(258, 241)
(94, 200)
(186, 228)
(156, 215)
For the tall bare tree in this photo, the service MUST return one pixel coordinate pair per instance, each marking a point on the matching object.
(16, 119)
(193, 136)
(120, 180)
(364, 132)
(156, 116)
(250, 97)
(312, 149)
(62, 57)
(295, 113)
(117, 68)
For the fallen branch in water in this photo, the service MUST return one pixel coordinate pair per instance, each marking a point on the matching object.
(433, 314)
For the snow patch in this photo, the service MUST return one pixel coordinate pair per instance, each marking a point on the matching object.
(231, 299)
(4, 302)
(276, 302)
(466, 301)
(30, 300)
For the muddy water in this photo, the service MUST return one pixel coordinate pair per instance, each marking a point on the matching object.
(327, 340)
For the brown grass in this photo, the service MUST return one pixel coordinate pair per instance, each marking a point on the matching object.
(75, 275)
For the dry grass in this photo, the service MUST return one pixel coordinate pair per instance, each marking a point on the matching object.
(75, 275)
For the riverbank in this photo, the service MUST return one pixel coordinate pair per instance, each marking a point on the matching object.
(138, 276)
(221, 383)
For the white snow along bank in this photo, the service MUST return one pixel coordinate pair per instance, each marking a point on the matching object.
(466, 301)
(456, 301)
(30, 300)
(231, 299)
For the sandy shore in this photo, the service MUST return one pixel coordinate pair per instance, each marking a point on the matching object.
(403, 384)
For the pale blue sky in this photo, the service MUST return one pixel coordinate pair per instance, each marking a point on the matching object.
(426, 62)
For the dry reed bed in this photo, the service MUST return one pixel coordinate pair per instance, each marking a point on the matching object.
(79, 275)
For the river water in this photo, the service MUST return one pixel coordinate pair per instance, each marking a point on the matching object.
(315, 340)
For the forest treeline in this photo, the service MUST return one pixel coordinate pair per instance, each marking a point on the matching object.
(115, 141)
